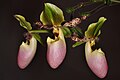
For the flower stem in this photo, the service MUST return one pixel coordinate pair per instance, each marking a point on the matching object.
(39, 31)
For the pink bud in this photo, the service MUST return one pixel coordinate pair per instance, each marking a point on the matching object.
(96, 61)
(56, 50)
(26, 52)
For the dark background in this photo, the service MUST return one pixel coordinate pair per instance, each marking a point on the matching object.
(74, 66)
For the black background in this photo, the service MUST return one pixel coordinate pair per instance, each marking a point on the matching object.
(74, 66)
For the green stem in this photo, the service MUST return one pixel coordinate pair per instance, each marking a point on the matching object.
(116, 1)
(82, 4)
(98, 8)
(39, 31)
(78, 6)
(93, 11)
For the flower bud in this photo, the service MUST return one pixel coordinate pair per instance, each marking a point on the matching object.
(26, 52)
(96, 61)
(56, 50)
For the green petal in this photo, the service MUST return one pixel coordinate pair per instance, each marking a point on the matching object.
(23, 22)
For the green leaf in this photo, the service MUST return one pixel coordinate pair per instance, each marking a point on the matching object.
(77, 44)
(94, 28)
(39, 31)
(51, 15)
(66, 31)
(23, 22)
(38, 38)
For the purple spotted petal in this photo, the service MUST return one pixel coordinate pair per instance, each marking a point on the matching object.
(96, 61)
(26, 53)
(56, 50)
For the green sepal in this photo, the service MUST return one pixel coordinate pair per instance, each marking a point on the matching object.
(51, 15)
(77, 44)
(94, 28)
(23, 22)
(45, 18)
(99, 25)
(38, 38)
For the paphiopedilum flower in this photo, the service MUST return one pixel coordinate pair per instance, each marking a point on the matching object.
(96, 61)
(26, 52)
(56, 50)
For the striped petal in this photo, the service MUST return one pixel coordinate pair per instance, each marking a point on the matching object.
(26, 53)
(96, 61)
(56, 50)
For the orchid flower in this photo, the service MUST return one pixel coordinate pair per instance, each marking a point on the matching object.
(26, 52)
(27, 49)
(96, 61)
(56, 50)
